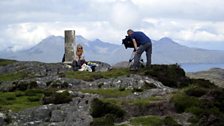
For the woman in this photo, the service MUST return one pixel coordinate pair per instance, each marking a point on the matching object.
(79, 59)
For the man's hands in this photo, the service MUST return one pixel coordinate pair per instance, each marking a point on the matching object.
(135, 45)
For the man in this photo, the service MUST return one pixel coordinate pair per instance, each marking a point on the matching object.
(145, 45)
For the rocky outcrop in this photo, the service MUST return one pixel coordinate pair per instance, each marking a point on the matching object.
(215, 75)
(39, 69)
(74, 113)
(68, 101)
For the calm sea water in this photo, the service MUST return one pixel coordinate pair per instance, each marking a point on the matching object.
(200, 67)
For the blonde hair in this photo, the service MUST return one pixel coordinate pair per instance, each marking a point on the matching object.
(79, 52)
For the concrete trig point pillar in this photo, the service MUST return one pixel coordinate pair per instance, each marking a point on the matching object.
(69, 46)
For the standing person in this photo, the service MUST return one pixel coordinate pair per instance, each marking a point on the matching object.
(145, 45)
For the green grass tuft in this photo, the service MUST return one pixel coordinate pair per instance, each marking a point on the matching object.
(169, 121)
(146, 121)
(51, 96)
(108, 92)
(87, 76)
(107, 120)
(12, 76)
(101, 109)
(182, 102)
(144, 101)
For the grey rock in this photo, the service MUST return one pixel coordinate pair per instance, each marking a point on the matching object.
(6, 86)
(102, 67)
(57, 116)
(182, 118)
(132, 81)
(75, 113)
(35, 68)
(2, 119)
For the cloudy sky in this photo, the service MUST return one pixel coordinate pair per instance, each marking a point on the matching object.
(196, 23)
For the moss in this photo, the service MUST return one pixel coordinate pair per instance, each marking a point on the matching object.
(4, 62)
(96, 75)
(12, 76)
(100, 109)
(146, 121)
(108, 92)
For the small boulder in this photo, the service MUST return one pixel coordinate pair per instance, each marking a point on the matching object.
(101, 66)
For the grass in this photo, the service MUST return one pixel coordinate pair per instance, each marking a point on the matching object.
(12, 76)
(87, 76)
(139, 102)
(144, 101)
(153, 121)
(4, 62)
(116, 101)
(108, 92)
(182, 101)
(20, 100)
(105, 113)
(108, 108)
(146, 121)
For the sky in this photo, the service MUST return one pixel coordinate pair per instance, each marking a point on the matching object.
(195, 23)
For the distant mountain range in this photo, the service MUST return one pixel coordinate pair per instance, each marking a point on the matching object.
(165, 51)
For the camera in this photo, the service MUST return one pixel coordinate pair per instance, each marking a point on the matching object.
(128, 43)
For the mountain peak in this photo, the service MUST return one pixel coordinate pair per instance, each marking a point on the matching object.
(80, 37)
(166, 39)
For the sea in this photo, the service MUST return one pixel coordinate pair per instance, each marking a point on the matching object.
(200, 67)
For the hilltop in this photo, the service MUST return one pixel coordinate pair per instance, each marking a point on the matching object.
(35, 93)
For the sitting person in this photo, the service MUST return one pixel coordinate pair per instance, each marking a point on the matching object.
(79, 63)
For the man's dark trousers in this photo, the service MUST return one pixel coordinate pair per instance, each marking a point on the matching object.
(147, 47)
